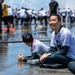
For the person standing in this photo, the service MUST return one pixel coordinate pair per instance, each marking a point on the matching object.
(0, 17)
(43, 16)
(53, 7)
(5, 14)
(23, 15)
(10, 16)
(64, 15)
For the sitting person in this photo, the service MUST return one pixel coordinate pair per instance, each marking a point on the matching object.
(37, 47)
(62, 48)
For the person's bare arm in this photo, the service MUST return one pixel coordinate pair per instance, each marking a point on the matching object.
(58, 9)
(48, 10)
(44, 56)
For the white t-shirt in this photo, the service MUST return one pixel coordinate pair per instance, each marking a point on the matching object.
(22, 13)
(10, 13)
(64, 38)
(43, 13)
(37, 45)
(29, 12)
(64, 12)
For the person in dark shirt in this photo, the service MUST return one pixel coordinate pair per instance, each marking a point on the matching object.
(0, 16)
(53, 7)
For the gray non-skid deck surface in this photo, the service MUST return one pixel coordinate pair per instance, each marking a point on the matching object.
(9, 51)
(46, 71)
(26, 69)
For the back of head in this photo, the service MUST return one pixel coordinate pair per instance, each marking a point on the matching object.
(27, 37)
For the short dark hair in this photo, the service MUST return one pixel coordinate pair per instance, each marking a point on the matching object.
(58, 16)
(27, 37)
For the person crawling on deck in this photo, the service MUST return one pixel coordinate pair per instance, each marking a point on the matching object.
(37, 48)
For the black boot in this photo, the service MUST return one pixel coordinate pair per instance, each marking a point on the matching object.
(0, 30)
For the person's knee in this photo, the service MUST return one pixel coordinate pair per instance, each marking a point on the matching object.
(71, 66)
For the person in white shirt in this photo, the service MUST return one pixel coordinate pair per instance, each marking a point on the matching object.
(34, 16)
(29, 11)
(64, 14)
(10, 15)
(69, 13)
(72, 17)
(43, 16)
(37, 47)
(23, 15)
(62, 45)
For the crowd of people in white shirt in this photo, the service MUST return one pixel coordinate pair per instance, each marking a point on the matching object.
(27, 16)
(68, 15)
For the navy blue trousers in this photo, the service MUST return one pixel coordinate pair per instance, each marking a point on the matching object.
(71, 67)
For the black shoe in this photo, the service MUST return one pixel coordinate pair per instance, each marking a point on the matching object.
(8, 30)
(0, 30)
